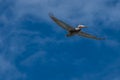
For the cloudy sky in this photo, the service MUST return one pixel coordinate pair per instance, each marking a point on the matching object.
(33, 47)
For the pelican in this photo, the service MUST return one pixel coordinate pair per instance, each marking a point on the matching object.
(73, 31)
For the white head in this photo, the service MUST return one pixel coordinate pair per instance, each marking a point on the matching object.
(81, 26)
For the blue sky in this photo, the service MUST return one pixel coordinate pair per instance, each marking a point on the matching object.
(33, 47)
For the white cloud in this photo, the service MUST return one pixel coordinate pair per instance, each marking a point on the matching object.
(83, 11)
(75, 12)
(38, 56)
(110, 72)
(13, 44)
(8, 71)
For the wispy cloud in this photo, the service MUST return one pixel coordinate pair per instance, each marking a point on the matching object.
(83, 11)
(31, 60)
(98, 14)
(111, 72)
(8, 71)
(13, 39)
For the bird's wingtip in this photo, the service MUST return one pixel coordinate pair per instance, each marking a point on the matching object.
(51, 14)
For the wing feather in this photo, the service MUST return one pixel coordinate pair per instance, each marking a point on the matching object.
(88, 35)
(61, 23)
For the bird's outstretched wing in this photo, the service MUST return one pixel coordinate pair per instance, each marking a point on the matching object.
(61, 23)
(89, 35)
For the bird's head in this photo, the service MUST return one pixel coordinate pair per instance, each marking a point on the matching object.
(81, 26)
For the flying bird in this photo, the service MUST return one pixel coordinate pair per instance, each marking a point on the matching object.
(73, 31)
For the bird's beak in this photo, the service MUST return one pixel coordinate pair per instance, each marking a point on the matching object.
(84, 27)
